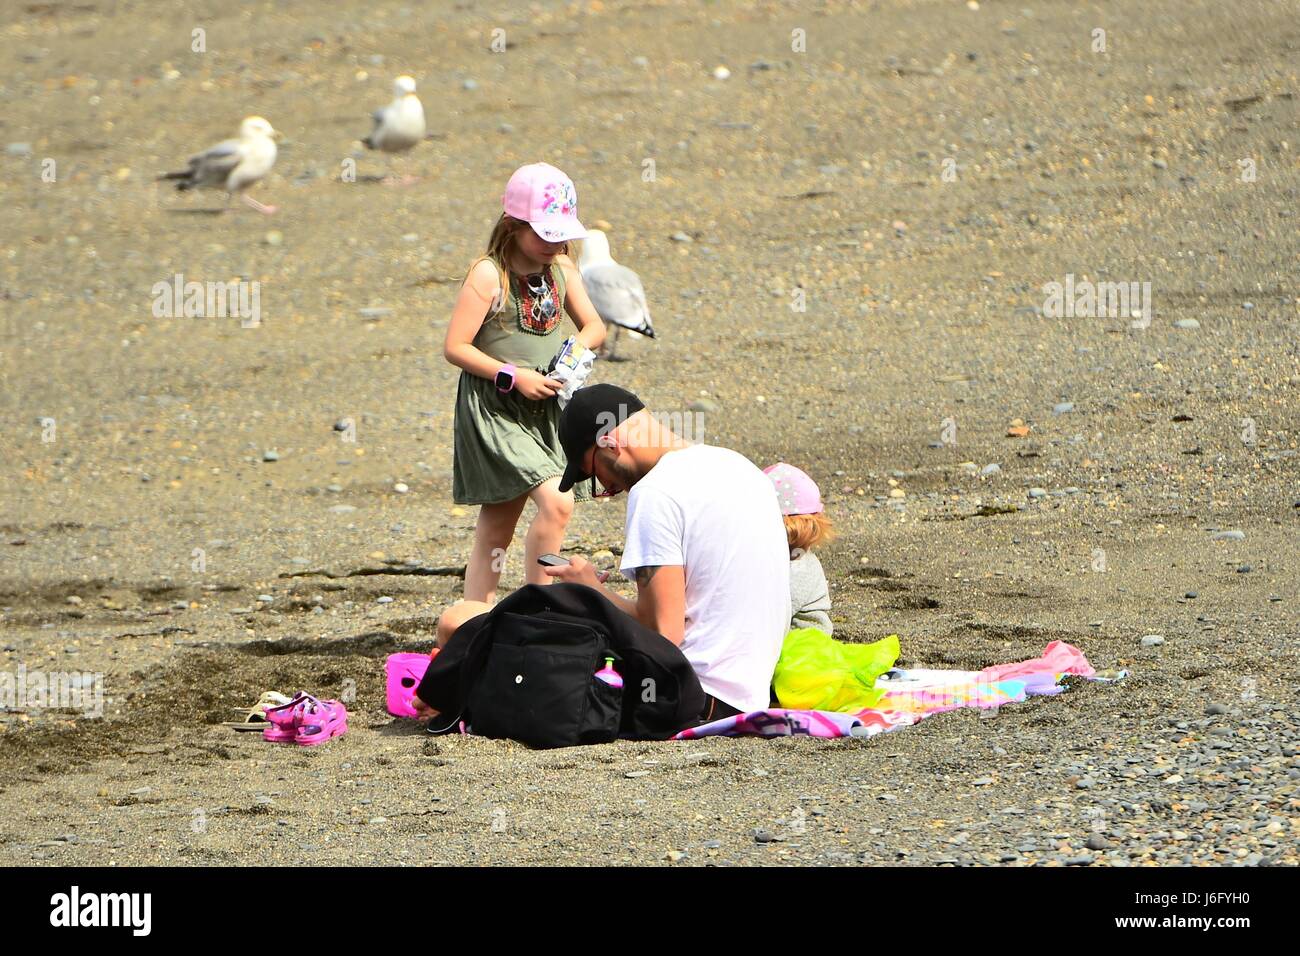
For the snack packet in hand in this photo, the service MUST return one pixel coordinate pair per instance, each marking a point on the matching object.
(571, 365)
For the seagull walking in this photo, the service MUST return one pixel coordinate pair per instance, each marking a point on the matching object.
(615, 291)
(400, 124)
(234, 164)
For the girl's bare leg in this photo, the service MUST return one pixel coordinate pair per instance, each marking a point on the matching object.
(456, 615)
(546, 532)
(448, 622)
(492, 534)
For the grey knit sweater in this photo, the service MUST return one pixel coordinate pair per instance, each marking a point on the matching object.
(810, 595)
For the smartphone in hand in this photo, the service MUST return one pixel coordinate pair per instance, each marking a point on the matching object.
(552, 561)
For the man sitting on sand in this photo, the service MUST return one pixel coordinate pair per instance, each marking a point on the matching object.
(704, 542)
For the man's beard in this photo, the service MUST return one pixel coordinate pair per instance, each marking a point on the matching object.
(625, 474)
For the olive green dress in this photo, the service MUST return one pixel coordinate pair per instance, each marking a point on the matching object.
(505, 444)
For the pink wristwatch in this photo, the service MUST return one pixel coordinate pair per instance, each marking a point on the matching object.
(505, 378)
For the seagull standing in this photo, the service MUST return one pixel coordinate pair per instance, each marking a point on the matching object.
(233, 165)
(400, 124)
(614, 290)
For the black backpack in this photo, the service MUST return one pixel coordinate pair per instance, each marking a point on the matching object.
(526, 670)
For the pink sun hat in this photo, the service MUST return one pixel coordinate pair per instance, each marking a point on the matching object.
(795, 491)
(544, 197)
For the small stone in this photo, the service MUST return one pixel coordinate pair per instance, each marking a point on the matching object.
(1159, 164)
(1062, 408)
(270, 455)
(274, 238)
(632, 774)
(897, 493)
(1215, 710)
(343, 509)
(675, 856)
(680, 237)
(1152, 640)
(983, 781)
(374, 312)
(1084, 783)
(1190, 594)
(1187, 324)
(469, 84)
(721, 73)
(1228, 536)
(1097, 842)
(265, 598)
(766, 836)
(1245, 569)
(990, 470)
(377, 820)
(384, 600)
(702, 405)
(73, 599)
(401, 488)
(1038, 492)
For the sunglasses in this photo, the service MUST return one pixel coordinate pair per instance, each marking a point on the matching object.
(544, 303)
(602, 493)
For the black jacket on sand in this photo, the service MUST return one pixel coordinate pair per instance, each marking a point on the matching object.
(661, 694)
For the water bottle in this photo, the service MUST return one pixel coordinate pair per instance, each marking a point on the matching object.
(610, 676)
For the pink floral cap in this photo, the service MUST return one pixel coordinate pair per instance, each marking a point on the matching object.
(795, 491)
(544, 197)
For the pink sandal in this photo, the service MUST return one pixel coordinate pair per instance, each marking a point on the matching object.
(321, 720)
(286, 719)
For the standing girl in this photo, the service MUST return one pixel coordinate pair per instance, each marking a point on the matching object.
(504, 330)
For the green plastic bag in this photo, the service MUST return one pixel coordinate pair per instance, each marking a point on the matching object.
(817, 672)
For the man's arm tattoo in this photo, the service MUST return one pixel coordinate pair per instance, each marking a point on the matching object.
(643, 575)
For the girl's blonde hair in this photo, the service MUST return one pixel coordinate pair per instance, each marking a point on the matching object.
(502, 244)
(805, 532)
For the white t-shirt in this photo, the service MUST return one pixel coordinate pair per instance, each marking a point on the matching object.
(713, 512)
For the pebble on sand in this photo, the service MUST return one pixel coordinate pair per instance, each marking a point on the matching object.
(1152, 640)
(1229, 536)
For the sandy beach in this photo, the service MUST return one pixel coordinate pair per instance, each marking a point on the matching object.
(848, 238)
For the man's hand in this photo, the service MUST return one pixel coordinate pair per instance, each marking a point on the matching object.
(578, 571)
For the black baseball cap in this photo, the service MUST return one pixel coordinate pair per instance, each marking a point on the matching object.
(593, 411)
